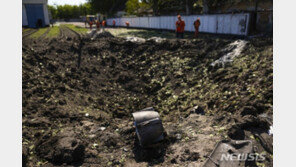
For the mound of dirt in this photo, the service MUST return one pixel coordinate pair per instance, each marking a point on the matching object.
(93, 86)
(99, 34)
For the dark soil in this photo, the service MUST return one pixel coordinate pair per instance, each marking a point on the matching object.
(78, 96)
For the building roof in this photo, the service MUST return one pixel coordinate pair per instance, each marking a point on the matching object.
(34, 1)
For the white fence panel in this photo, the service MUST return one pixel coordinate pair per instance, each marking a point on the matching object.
(189, 20)
(236, 24)
(168, 22)
(154, 22)
(144, 22)
(224, 24)
(136, 22)
(118, 20)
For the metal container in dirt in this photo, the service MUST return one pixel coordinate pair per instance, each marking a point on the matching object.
(149, 126)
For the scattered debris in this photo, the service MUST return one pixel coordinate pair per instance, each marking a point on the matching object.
(135, 39)
(102, 128)
(156, 39)
(234, 49)
(198, 110)
(270, 131)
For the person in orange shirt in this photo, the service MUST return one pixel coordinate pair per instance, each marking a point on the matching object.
(180, 26)
(127, 24)
(90, 24)
(114, 23)
(196, 26)
(103, 24)
(98, 24)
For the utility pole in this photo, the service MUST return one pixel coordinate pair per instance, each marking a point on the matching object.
(155, 7)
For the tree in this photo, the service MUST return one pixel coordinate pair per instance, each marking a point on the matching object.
(53, 11)
(70, 11)
(107, 6)
(154, 4)
(205, 8)
(188, 6)
(155, 7)
(132, 6)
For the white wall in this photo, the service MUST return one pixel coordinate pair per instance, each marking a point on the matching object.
(236, 24)
(46, 16)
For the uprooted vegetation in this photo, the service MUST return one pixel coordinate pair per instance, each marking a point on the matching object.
(78, 96)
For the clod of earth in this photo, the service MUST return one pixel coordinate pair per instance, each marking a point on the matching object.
(65, 147)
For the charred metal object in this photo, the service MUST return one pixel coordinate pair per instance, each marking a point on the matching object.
(236, 150)
(148, 126)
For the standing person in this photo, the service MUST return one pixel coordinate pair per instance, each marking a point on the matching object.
(51, 22)
(103, 24)
(127, 24)
(98, 25)
(180, 26)
(196, 26)
(90, 24)
(113, 23)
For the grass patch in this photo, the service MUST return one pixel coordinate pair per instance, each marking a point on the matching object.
(26, 29)
(78, 29)
(38, 33)
(53, 32)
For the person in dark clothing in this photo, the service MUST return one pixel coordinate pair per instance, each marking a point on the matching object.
(39, 23)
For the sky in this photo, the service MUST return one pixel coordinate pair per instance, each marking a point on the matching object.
(68, 2)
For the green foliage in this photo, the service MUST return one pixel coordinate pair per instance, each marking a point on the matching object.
(132, 6)
(136, 7)
(70, 11)
(107, 6)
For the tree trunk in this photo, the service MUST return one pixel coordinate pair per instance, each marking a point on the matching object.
(155, 7)
(187, 7)
(255, 14)
(205, 4)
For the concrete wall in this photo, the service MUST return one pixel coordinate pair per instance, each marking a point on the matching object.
(236, 24)
(45, 10)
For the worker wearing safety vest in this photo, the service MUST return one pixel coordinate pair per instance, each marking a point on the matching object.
(196, 27)
(114, 23)
(180, 26)
(103, 24)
